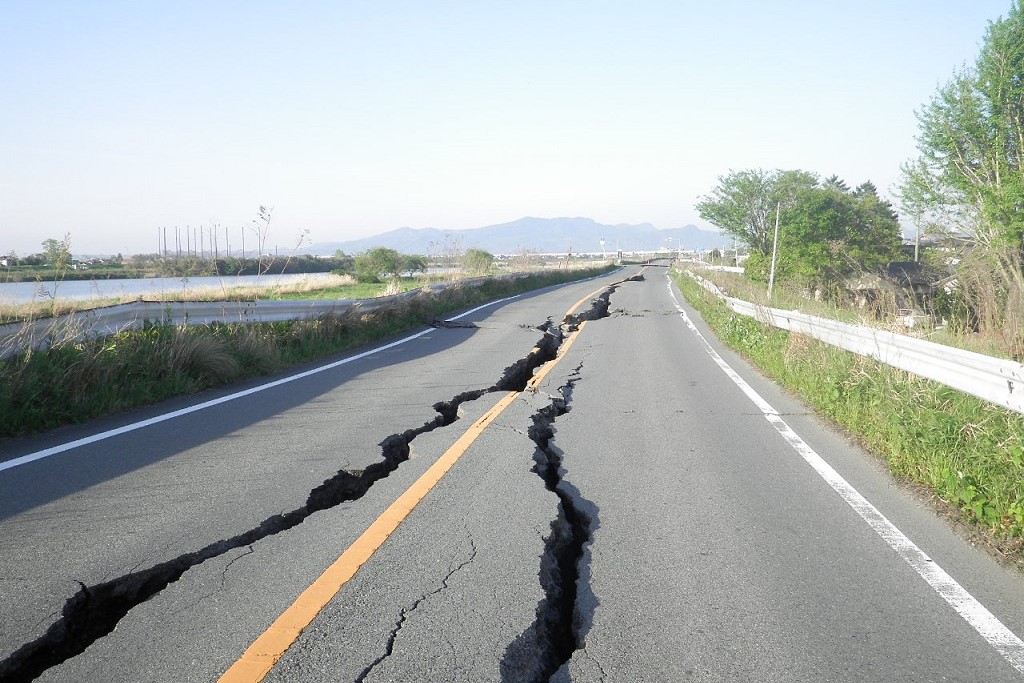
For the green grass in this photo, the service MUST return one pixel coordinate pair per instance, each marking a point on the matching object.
(360, 290)
(75, 382)
(967, 451)
(784, 297)
(322, 287)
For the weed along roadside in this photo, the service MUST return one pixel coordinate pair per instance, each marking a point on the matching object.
(967, 452)
(76, 381)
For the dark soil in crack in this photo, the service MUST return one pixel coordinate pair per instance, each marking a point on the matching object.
(557, 631)
(95, 610)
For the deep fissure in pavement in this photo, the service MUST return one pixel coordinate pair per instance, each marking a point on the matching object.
(555, 633)
(548, 644)
(540, 651)
(94, 611)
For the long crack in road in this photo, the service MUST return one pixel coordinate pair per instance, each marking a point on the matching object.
(94, 611)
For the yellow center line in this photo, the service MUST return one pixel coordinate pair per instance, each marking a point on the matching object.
(267, 649)
(588, 297)
(546, 369)
(260, 657)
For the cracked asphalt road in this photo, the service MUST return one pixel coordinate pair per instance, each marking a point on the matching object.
(632, 519)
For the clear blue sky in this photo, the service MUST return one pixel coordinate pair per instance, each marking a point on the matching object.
(353, 118)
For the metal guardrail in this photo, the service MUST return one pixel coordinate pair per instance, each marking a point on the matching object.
(995, 380)
(16, 338)
(721, 269)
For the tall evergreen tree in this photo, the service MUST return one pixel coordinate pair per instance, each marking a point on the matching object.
(836, 182)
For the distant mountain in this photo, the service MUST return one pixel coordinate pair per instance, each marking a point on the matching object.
(545, 235)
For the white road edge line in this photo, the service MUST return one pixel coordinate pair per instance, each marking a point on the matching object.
(54, 450)
(966, 605)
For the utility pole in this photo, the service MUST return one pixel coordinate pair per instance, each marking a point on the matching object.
(775, 251)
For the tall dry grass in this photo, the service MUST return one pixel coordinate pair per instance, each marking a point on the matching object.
(988, 303)
(982, 310)
(227, 292)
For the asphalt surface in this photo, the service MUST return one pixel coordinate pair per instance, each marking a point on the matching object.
(636, 518)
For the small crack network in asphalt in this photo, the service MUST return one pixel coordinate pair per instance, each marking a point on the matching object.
(94, 611)
(389, 647)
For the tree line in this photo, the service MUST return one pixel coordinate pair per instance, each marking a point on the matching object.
(382, 263)
(827, 231)
(966, 184)
(964, 191)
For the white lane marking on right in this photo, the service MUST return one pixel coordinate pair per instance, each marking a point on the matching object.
(956, 596)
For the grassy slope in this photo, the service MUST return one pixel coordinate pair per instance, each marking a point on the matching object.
(968, 452)
(79, 381)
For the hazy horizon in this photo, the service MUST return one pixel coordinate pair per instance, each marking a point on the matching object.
(235, 235)
(353, 119)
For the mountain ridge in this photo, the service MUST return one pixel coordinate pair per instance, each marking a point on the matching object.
(544, 235)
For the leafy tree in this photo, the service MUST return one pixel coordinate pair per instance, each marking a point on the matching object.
(415, 263)
(969, 175)
(744, 202)
(477, 261)
(828, 234)
(341, 263)
(867, 193)
(58, 255)
(378, 263)
(968, 178)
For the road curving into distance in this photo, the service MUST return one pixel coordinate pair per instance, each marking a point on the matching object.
(577, 484)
